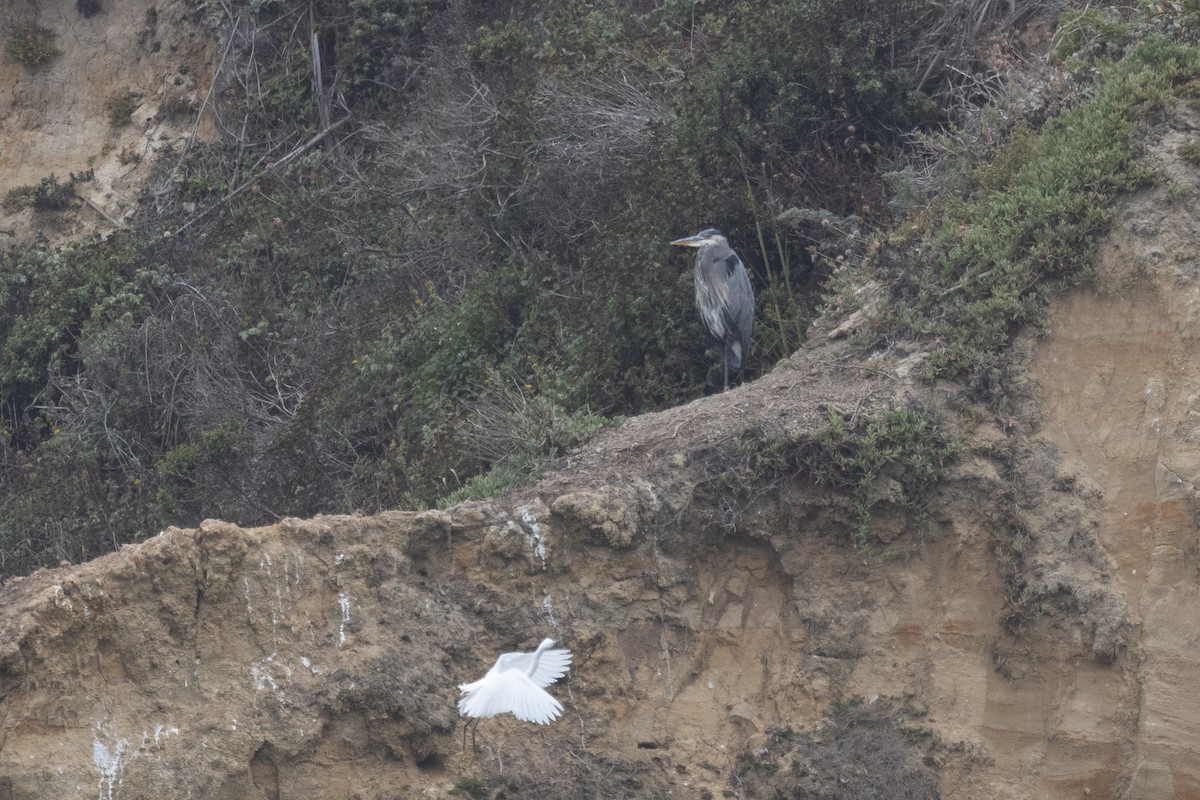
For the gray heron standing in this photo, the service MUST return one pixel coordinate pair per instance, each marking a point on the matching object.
(723, 296)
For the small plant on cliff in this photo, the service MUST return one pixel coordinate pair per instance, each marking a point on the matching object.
(502, 478)
(88, 8)
(49, 194)
(31, 45)
(895, 456)
(120, 107)
(474, 788)
(1189, 151)
(175, 103)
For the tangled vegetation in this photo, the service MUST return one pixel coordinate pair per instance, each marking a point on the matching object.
(894, 457)
(31, 45)
(980, 265)
(861, 750)
(120, 107)
(48, 194)
(430, 245)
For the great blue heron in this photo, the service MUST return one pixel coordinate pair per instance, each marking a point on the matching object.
(516, 684)
(723, 296)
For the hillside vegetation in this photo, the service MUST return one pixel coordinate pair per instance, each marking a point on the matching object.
(429, 249)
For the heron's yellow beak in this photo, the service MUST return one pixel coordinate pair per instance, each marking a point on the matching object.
(691, 241)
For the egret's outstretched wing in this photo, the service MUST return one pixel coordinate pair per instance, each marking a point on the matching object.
(551, 666)
(512, 692)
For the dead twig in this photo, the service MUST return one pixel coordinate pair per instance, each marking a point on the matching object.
(271, 170)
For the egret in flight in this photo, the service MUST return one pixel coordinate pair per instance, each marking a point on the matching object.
(723, 296)
(516, 685)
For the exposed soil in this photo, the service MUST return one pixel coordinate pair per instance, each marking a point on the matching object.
(54, 121)
(1121, 387)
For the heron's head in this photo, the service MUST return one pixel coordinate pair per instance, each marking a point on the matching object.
(703, 238)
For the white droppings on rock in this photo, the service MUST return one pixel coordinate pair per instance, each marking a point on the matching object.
(536, 540)
(344, 602)
(60, 599)
(110, 763)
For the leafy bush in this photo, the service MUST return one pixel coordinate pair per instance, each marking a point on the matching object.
(896, 456)
(31, 45)
(120, 107)
(52, 295)
(1089, 32)
(1190, 151)
(500, 479)
(193, 476)
(48, 195)
(983, 267)
(907, 447)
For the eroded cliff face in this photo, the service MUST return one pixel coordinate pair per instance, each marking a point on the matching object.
(320, 658)
(1120, 380)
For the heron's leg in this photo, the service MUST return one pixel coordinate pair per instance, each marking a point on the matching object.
(725, 363)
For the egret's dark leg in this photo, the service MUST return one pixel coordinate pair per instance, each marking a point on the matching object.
(474, 747)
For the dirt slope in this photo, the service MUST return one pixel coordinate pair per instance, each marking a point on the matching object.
(53, 118)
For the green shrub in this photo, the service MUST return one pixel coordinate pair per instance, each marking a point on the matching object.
(983, 266)
(52, 294)
(1091, 31)
(470, 787)
(120, 107)
(203, 475)
(48, 195)
(897, 457)
(31, 45)
(907, 448)
(1190, 151)
(497, 481)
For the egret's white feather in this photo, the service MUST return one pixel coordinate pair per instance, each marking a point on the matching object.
(515, 684)
(514, 693)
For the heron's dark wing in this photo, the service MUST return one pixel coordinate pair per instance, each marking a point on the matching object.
(740, 307)
(730, 291)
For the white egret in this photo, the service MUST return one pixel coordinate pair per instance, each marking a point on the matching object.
(516, 685)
